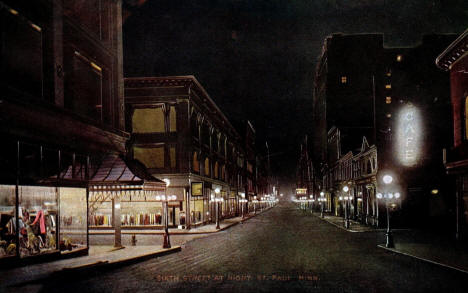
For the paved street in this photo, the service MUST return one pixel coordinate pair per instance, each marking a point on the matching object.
(282, 249)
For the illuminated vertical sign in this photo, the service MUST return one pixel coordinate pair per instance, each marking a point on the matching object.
(409, 136)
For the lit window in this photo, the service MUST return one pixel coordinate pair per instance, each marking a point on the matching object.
(344, 79)
(388, 86)
(399, 58)
(389, 73)
(389, 115)
(388, 100)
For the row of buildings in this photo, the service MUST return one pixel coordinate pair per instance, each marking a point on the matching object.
(84, 149)
(381, 110)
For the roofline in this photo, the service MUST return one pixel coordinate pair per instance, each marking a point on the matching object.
(194, 81)
(449, 50)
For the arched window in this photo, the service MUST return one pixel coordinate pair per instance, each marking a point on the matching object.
(196, 163)
(207, 167)
(216, 172)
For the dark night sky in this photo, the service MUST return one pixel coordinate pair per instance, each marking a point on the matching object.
(257, 59)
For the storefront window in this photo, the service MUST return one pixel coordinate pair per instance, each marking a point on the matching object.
(7, 221)
(38, 229)
(73, 228)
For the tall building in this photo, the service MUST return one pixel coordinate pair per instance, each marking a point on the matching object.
(388, 105)
(63, 136)
(455, 60)
(179, 134)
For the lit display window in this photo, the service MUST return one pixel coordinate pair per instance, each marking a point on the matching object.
(388, 86)
(388, 100)
(344, 79)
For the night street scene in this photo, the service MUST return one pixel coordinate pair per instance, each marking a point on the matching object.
(234, 146)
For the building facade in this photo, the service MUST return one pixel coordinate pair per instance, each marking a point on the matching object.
(388, 105)
(179, 134)
(62, 107)
(454, 59)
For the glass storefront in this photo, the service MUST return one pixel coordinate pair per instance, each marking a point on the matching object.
(73, 227)
(38, 228)
(35, 232)
(137, 210)
(7, 221)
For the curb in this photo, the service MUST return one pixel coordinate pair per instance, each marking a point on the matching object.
(122, 262)
(422, 259)
(339, 226)
(91, 268)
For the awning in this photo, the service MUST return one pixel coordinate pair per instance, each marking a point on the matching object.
(115, 174)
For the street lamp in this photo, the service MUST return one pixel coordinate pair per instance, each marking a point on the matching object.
(255, 204)
(165, 200)
(217, 201)
(322, 201)
(346, 199)
(389, 197)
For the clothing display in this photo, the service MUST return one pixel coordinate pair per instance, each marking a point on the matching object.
(141, 219)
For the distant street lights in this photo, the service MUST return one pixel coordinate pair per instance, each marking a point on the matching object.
(390, 196)
(322, 201)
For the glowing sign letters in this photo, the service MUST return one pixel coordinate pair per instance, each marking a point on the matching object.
(408, 136)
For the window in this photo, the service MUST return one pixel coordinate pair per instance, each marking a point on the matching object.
(388, 86)
(195, 163)
(172, 154)
(399, 58)
(389, 73)
(172, 119)
(344, 79)
(216, 167)
(389, 115)
(207, 167)
(21, 52)
(149, 120)
(151, 157)
(388, 100)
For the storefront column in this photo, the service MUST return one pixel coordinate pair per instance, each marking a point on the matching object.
(116, 211)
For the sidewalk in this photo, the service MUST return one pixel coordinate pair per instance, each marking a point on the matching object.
(204, 229)
(339, 222)
(431, 248)
(105, 256)
(99, 256)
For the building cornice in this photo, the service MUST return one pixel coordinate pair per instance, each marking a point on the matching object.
(454, 52)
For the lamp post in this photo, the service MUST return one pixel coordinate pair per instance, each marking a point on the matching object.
(165, 200)
(389, 196)
(346, 199)
(242, 201)
(322, 201)
(255, 204)
(217, 201)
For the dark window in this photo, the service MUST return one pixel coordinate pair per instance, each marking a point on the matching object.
(21, 62)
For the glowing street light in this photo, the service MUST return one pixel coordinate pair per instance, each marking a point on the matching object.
(346, 198)
(389, 197)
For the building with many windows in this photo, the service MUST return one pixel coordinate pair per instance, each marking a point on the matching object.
(63, 137)
(388, 108)
(179, 134)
